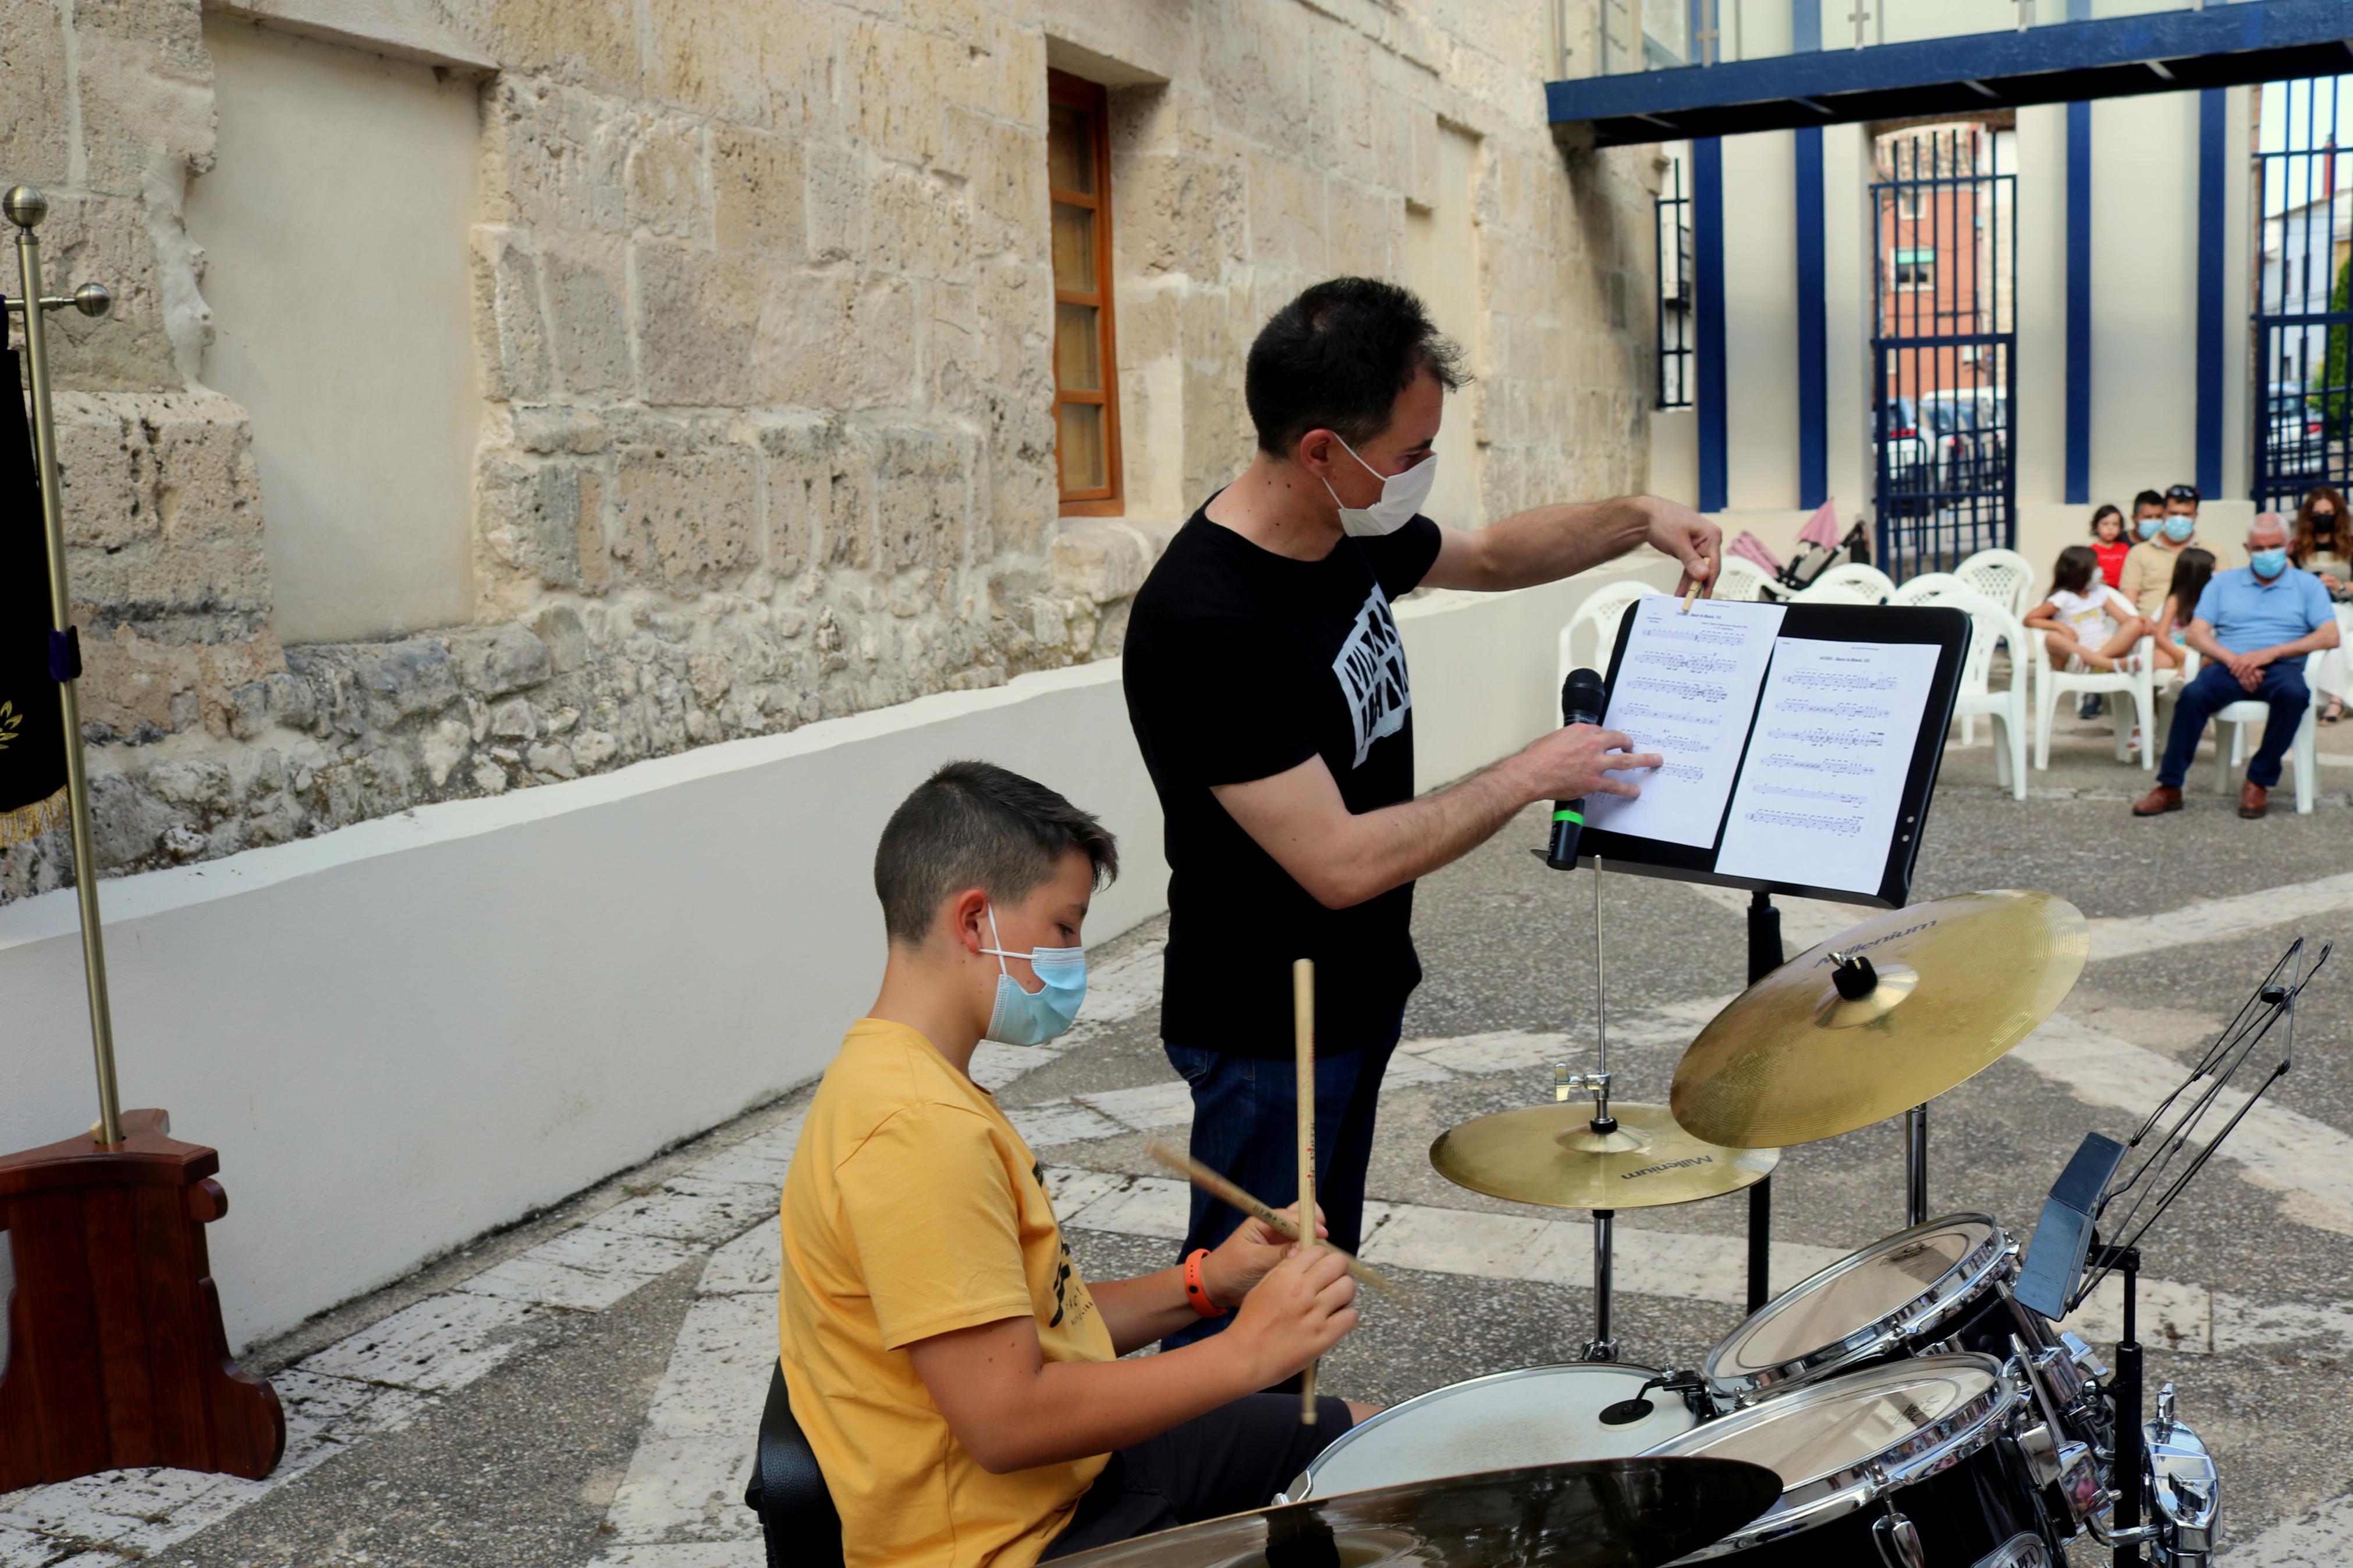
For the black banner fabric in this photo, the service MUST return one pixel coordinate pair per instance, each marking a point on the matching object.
(32, 733)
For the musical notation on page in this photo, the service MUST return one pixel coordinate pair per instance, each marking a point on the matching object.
(1686, 689)
(1817, 803)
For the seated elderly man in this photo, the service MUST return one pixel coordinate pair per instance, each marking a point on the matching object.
(2253, 626)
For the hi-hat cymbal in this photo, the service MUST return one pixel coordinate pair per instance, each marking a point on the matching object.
(1594, 1513)
(1953, 984)
(1546, 1154)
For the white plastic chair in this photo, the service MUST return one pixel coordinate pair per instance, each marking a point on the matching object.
(2139, 684)
(1602, 610)
(2002, 575)
(1850, 583)
(1989, 623)
(1740, 578)
(2303, 752)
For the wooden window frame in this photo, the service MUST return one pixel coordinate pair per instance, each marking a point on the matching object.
(1110, 499)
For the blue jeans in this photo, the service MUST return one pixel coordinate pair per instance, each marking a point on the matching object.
(2215, 689)
(1246, 1126)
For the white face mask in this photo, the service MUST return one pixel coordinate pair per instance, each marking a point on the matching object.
(1401, 496)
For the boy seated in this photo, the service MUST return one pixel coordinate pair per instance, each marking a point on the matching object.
(957, 1379)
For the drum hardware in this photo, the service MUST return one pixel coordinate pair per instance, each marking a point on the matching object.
(1623, 1155)
(1596, 1513)
(2161, 1482)
(1897, 1538)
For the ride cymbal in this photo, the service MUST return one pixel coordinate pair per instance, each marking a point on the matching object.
(1593, 1513)
(1941, 991)
(1546, 1154)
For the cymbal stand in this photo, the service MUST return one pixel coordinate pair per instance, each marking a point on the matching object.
(1764, 957)
(1915, 1165)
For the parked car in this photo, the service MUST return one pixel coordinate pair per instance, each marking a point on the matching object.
(2295, 435)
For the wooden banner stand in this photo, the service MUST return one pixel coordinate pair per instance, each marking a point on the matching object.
(116, 1355)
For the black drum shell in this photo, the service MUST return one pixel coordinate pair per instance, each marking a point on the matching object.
(1963, 1514)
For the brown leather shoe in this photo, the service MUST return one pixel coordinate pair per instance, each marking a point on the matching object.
(2158, 802)
(2253, 800)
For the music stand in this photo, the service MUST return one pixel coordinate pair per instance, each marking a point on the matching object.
(1949, 631)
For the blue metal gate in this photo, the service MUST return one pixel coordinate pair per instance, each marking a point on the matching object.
(2304, 402)
(1943, 342)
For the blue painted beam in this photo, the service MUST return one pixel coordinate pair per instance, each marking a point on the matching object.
(2213, 195)
(2252, 40)
(1813, 327)
(2079, 303)
(1707, 341)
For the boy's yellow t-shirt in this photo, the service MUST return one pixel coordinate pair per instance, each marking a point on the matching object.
(912, 1208)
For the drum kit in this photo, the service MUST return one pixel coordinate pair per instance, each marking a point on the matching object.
(1907, 1409)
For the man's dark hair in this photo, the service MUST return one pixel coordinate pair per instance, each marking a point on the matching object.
(2149, 498)
(1336, 359)
(2183, 492)
(975, 824)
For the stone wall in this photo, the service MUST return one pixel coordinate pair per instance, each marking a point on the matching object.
(762, 306)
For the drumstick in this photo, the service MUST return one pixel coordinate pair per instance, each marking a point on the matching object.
(1217, 1187)
(1688, 598)
(1303, 1008)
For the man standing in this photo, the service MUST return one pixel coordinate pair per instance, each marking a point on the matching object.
(2254, 624)
(1268, 690)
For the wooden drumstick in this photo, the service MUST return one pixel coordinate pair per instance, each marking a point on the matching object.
(1218, 1187)
(1303, 1004)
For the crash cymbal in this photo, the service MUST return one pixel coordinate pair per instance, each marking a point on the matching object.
(1547, 1154)
(1942, 990)
(1594, 1513)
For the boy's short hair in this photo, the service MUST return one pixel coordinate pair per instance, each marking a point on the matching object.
(2149, 498)
(975, 824)
(1336, 359)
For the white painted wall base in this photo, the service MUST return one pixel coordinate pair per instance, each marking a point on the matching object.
(414, 1030)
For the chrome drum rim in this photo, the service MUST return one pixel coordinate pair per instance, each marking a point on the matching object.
(1988, 1258)
(1966, 1427)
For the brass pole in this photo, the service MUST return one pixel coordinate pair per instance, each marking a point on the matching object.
(25, 207)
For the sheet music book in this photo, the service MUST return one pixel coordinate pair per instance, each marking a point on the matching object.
(1799, 742)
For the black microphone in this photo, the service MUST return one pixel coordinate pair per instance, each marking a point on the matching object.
(1583, 699)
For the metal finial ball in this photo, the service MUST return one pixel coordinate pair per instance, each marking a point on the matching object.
(93, 300)
(25, 205)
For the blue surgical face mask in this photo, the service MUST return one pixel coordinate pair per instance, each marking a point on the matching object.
(2179, 527)
(1032, 1017)
(2146, 526)
(2268, 564)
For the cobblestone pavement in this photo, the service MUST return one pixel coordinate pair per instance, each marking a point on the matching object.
(583, 1390)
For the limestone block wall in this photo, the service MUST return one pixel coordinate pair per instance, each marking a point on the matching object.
(762, 306)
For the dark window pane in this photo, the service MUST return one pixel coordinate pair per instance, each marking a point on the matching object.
(1077, 361)
(1071, 148)
(1085, 465)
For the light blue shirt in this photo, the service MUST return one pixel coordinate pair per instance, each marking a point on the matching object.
(2248, 615)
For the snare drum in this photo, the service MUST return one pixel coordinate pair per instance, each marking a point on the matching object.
(1908, 1449)
(1940, 1285)
(1537, 1416)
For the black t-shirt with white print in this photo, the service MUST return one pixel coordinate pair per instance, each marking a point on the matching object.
(1240, 664)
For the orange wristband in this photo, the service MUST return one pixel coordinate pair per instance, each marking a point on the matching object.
(1197, 1293)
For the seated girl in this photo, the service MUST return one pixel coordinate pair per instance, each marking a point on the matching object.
(2085, 624)
(2191, 569)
